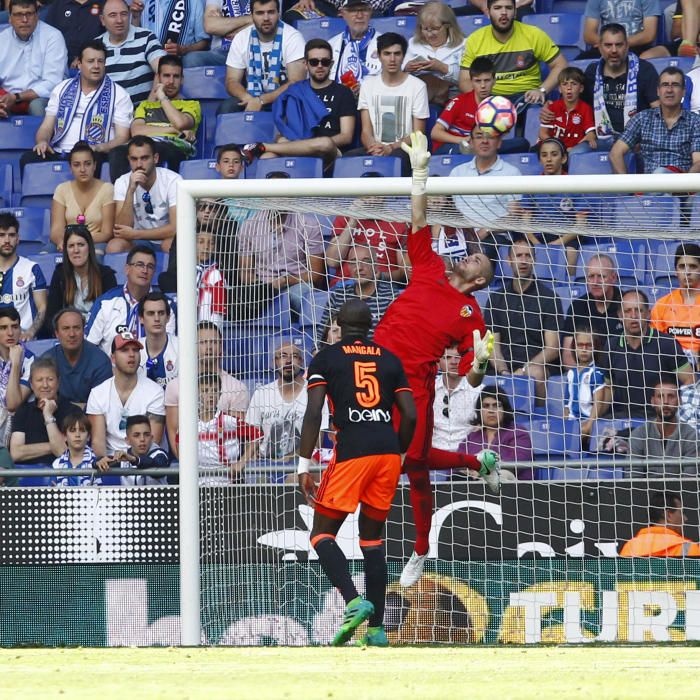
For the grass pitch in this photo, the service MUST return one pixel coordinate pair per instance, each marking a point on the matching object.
(603, 673)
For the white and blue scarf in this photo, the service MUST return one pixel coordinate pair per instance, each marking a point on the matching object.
(259, 83)
(353, 54)
(603, 124)
(88, 462)
(172, 22)
(97, 120)
(233, 8)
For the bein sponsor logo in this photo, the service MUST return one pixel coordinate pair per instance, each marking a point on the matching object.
(369, 415)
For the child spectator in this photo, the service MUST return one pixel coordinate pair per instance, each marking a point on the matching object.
(210, 282)
(78, 455)
(572, 122)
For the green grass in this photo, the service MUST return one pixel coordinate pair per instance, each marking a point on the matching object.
(513, 673)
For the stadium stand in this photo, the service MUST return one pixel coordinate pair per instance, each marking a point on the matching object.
(17, 136)
(244, 127)
(405, 26)
(565, 29)
(442, 166)
(365, 166)
(320, 27)
(199, 169)
(40, 180)
(292, 167)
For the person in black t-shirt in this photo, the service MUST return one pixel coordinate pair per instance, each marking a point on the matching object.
(303, 132)
(364, 383)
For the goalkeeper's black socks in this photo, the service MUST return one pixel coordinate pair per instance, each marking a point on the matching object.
(335, 565)
(375, 580)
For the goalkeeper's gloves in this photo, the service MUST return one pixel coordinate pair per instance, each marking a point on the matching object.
(490, 470)
(420, 157)
(483, 349)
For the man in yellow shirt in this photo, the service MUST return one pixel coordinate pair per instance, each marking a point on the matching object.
(664, 538)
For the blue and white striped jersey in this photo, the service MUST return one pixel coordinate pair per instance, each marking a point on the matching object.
(17, 289)
(164, 366)
(581, 385)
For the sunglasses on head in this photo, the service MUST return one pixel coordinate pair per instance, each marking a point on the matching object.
(146, 197)
(325, 62)
(446, 410)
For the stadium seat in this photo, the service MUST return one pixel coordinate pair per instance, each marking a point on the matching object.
(604, 427)
(17, 135)
(362, 166)
(312, 308)
(205, 83)
(482, 297)
(471, 23)
(34, 226)
(320, 27)
(404, 25)
(244, 127)
(564, 29)
(527, 163)
(631, 257)
(648, 213)
(567, 293)
(685, 63)
(520, 390)
(661, 267)
(6, 183)
(565, 6)
(442, 166)
(597, 163)
(532, 124)
(555, 437)
(47, 262)
(278, 314)
(582, 63)
(556, 388)
(199, 170)
(41, 180)
(294, 167)
(117, 262)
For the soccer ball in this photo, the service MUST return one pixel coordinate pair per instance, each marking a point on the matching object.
(496, 115)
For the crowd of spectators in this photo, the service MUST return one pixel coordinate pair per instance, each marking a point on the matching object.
(107, 79)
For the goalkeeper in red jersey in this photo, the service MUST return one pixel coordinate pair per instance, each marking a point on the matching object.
(435, 312)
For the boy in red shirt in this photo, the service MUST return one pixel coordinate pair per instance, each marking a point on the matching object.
(573, 122)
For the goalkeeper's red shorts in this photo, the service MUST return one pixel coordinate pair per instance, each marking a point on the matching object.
(371, 480)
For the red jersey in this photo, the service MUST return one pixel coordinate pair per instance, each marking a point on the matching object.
(430, 315)
(570, 126)
(459, 116)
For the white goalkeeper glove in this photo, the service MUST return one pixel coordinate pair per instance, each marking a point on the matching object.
(483, 349)
(490, 470)
(420, 157)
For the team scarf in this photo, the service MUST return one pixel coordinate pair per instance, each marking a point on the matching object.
(353, 55)
(97, 120)
(259, 83)
(88, 462)
(233, 8)
(173, 22)
(603, 124)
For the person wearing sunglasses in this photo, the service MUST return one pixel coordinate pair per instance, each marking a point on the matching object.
(145, 200)
(159, 357)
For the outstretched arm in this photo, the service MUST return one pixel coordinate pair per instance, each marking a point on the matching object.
(316, 396)
(420, 157)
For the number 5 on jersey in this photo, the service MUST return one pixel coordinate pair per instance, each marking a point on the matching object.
(367, 384)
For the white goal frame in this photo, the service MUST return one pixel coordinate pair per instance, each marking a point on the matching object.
(187, 193)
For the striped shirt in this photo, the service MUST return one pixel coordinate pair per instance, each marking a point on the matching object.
(581, 387)
(18, 286)
(689, 411)
(162, 368)
(129, 63)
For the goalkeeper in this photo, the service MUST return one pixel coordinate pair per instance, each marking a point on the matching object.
(434, 313)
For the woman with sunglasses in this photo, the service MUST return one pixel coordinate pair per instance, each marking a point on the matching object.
(435, 51)
(79, 279)
(84, 200)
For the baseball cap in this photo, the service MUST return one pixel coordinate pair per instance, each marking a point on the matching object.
(121, 340)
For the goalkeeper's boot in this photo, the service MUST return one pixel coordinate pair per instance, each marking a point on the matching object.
(490, 470)
(356, 612)
(251, 151)
(375, 637)
(413, 569)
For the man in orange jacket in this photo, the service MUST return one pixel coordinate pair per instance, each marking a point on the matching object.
(665, 536)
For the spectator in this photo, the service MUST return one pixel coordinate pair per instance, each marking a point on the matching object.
(524, 318)
(497, 430)
(640, 19)
(36, 436)
(664, 437)
(516, 50)
(89, 107)
(233, 398)
(689, 410)
(454, 408)
(315, 117)
(179, 27)
(664, 538)
(392, 104)
(355, 53)
(78, 454)
(264, 59)
(572, 121)
(81, 365)
(678, 313)
(599, 307)
(480, 7)
(77, 20)
(435, 51)
(618, 86)
(305, 9)
(685, 25)
(330, 333)
(363, 283)
(145, 200)
(223, 19)
(132, 53)
(117, 309)
(159, 356)
(668, 136)
(212, 304)
(85, 200)
(635, 360)
(128, 393)
(79, 280)
(588, 394)
(32, 61)
(22, 283)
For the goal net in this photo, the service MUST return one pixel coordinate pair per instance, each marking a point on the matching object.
(591, 402)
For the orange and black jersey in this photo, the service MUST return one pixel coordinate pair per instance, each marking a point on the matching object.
(361, 380)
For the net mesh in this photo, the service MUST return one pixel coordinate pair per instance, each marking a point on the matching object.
(578, 360)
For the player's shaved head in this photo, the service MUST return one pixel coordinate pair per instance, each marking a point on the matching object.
(354, 317)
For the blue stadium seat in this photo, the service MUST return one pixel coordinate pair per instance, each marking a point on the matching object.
(550, 263)
(685, 63)
(34, 226)
(568, 6)
(604, 427)
(564, 29)
(482, 297)
(6, 183)
(199, 170)
(116, 261)
(555, 437)
(556, 387)
(527, 163)
(40, 181)
(631, 257)
(597, 163)
(47, 262)
(532, 124)
(660, 212)
(293, 166)
(320, 27)
(442, 166)
(567, 293)
(312, 307)
(17, 136)
(471, 23)
(205, 83)
(362, 166)
(33, 481)
(520, 391)
(661, 268)
(278, 314)
(404, 25)
(582, 63)
(244, 127)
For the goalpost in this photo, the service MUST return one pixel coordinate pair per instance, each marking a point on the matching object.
(243, 546)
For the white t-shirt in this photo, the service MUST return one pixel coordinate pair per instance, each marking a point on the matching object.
(147, 397)
(392, 108)
(123, 114)
(452, 429)
(292, 50)
(234, 394)
(163, 196)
